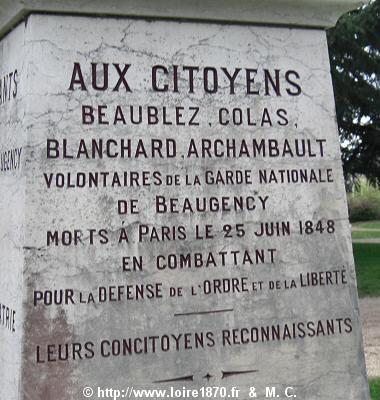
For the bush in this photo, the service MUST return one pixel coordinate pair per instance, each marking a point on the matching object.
(364, 202)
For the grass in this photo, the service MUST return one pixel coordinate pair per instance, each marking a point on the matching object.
(374, 386)
(366, 234)
(367, 261)
(366, 225)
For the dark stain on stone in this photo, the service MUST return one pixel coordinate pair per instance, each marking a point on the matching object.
(46, 380)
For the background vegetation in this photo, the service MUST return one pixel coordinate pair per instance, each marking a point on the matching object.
(374, 385)
(354, 46)
(367, 256)
(364, 201)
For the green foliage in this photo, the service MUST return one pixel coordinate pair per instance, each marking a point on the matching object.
(364, 202)
(374, 385)
(354, 46)
(367, 262)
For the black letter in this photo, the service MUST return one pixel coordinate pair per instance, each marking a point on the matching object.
(79, 80)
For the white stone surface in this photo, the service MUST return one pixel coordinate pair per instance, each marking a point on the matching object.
(12, 208)
(322, 13)
(316, 364)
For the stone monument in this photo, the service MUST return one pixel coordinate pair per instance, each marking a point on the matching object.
(173, 213)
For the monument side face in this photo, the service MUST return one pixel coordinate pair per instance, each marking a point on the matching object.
(12, 208)
(186, 215)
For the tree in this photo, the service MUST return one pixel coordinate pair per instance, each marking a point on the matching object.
(354, 46)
